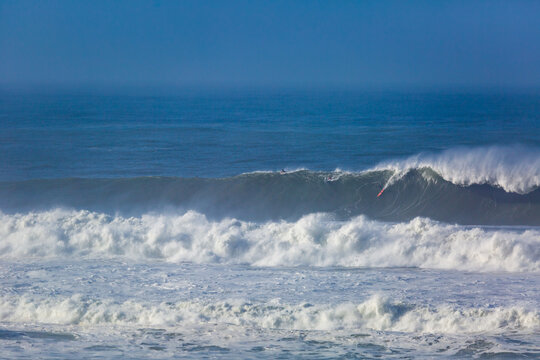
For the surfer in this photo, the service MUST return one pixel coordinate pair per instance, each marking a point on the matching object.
(282, 171)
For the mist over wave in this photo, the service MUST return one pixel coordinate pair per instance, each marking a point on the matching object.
(512, 168)
(313, 240)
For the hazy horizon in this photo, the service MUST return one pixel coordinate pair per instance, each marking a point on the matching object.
(241, 44)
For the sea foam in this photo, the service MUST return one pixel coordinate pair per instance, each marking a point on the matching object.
(376, 313)
(314, 240)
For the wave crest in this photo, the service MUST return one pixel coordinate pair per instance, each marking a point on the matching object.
(512, 168)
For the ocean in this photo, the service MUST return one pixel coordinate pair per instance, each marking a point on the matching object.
(270, 224)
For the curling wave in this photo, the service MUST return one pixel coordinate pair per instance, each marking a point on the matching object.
(376, 313)
(512, 168)
(313, 240)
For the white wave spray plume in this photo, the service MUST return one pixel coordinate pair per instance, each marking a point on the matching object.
(512, 168)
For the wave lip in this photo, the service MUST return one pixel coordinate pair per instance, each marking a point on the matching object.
(512, 168)
(376, 313)
(313, 240)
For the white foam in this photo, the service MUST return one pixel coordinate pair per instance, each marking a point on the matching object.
(315, 240)
(288, 170)
(513, 168)
(376, 313)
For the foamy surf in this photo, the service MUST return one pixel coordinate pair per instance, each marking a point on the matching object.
(313, 240)
(376, 313)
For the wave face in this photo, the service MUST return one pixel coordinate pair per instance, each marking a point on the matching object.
(314, 240)
(376, 313)
(433, 192)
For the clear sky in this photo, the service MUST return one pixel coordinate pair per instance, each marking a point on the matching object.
(270, 43)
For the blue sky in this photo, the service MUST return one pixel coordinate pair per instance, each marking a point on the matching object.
(270, 43)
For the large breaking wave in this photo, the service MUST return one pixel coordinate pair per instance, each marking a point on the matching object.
(295, 218)
(481, 186)
(313, 240)
(511, 168)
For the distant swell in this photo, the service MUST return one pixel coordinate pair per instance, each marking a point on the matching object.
(313, 240)
(375, 313)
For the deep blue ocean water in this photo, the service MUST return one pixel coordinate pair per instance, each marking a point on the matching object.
(270, 224)
(225, 133)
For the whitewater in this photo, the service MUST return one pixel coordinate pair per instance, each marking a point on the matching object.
(182, 236)
(313, 240)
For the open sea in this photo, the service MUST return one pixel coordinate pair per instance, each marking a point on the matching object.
(270, 224)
